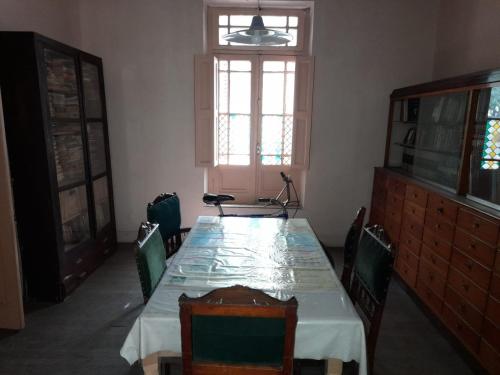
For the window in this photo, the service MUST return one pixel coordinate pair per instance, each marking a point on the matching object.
(491, 148)
(253, 106)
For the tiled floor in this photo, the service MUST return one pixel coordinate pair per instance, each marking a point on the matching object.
(84, 334)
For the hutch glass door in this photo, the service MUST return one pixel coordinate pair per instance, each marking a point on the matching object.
(67, 144)
(96, 143)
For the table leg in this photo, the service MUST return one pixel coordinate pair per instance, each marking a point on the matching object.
(150, 363)
(334, 367)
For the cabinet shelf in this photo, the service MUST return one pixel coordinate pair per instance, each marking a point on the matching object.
(449, 153)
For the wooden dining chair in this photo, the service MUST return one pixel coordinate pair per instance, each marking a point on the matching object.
(150, 257)
(371, 275)
(350, 247)
(165, 210)
(237, 330)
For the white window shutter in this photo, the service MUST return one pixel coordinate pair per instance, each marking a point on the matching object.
(304, 78)
(204, 110)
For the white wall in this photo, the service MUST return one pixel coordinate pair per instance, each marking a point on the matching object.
(56, 19)
(363, 50)
(468, 37)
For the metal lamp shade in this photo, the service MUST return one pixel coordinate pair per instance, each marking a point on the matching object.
(258, 35)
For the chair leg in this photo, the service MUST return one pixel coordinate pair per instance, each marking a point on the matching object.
(334, 367)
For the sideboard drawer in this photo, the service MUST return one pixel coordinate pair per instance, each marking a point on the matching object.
(439, 263)
(461, 329)
(489, 358)
(467, 289)
(470, 268)
(474, 248)
(432, 278)
(408, 274)
(412, 227)
(410, 259)
(411, 242)
(481, 228)
(429, 297)
(493, 311)
(436, 244)
(441, 227)
(466, 311)
(495, 286)
(442, 207)
(491, 334)
(396, 186)
(416, 195)
(414, 211)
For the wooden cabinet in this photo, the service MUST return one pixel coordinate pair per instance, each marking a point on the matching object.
(448, 252)
(438, 199)
(56, 127)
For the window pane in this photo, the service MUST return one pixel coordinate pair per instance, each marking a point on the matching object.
(223, 31)
(233, 128)
(241, 66)
(289, 93)
(245, 21)
(272, 134)
(272, 93)
(277, 112)
(240, 90)
(293, 21)
(223, 20)
(274, 21)
(274, 66)
(293, 42)
(223, 91)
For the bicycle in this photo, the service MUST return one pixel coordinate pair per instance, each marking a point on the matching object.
(284, 204)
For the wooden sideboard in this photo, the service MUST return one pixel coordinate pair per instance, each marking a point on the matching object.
(448, 253)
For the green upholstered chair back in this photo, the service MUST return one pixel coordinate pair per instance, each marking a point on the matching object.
(150, 257)
(369, 285)
(165, 210)
(373, 265)
(237, 327)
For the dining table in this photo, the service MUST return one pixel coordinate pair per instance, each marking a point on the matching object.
(281, 257)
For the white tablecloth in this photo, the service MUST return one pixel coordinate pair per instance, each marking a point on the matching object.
(281, 257)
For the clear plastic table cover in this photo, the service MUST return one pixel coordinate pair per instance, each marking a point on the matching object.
(281, 257)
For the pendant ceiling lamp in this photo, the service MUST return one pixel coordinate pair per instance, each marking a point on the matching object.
(258, 34)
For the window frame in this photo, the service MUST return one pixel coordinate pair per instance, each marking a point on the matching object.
(303, 31)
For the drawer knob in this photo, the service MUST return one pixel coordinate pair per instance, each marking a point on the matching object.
(459, 326)
(413, 211)
(469, 265)
(472, 246)
(475, 225)
(440, 210)
(412, 226)
(437, 226)
(431, 277)
(436, 243)
(433, 259)
(415, 195)
(462, 308)
(466, 287)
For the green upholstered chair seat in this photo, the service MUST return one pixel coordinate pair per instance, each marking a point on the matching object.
(150, 258)
(238, 340)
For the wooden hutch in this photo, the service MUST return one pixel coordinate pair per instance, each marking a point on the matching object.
(438, 198)
(57, 137)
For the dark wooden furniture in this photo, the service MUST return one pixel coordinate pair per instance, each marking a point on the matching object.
(237, 330)
(56, 128)
(351, 247)
(165, 210)
(150, 256)
(441, 212)
(368, 288)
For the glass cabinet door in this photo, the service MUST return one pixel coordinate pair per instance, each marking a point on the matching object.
(67, 143)
(485, 156)
(427, 137)
(439, 138)
(96, 143)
